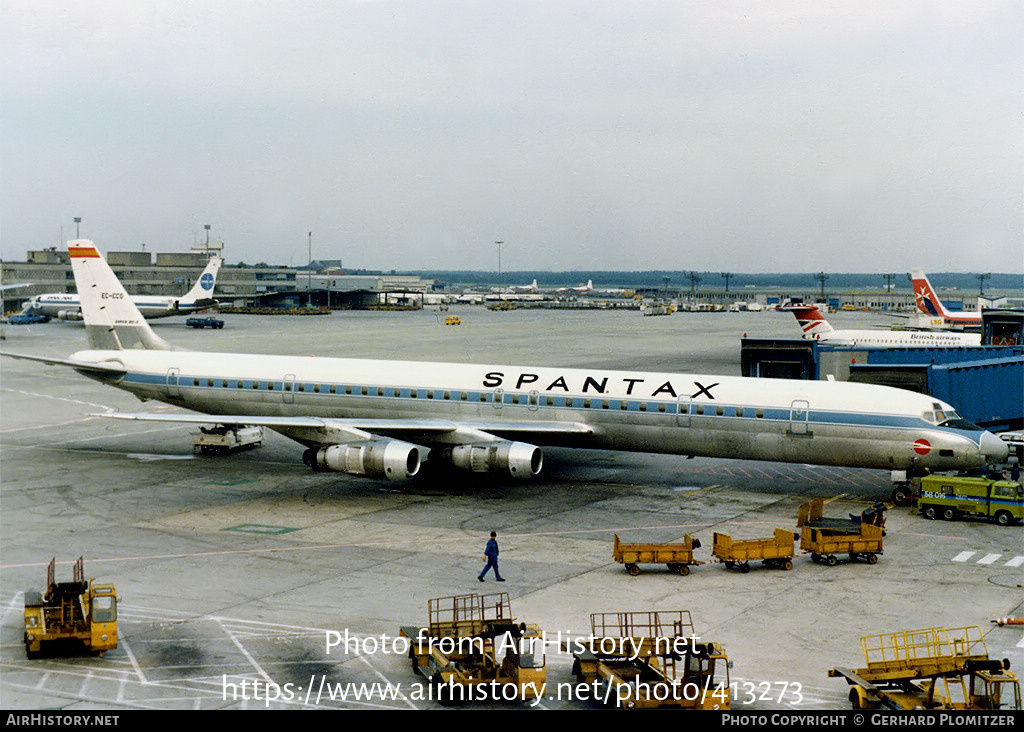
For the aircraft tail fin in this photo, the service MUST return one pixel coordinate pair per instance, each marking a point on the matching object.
(202, 290)
(811, 321)
(112, 322)
(925, 297)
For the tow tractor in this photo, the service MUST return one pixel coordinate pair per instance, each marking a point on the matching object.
(932, 668)
(472, 649)
(647, 660)
(70, 617)
(227, 438)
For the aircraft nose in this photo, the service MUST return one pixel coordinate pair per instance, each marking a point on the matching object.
(994, 449)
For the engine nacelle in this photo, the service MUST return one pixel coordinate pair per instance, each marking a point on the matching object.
(389, 459)
(69, 315)
(518, 458)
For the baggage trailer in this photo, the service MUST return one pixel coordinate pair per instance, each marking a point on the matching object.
(677, 556)
(777, 552)
(472, 649)
(824, 546)
(812, 514)
(931, 668)
(646, 660)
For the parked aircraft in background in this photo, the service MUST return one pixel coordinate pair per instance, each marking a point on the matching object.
(378, 418)
(582, 288)
(814, 325)
(928, 302)
(64, 306)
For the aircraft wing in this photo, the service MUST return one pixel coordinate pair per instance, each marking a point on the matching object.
(338, 430)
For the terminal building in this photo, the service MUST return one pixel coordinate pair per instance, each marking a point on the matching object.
(242, 286)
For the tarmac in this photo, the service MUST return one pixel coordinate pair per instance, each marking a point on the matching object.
(236, 573)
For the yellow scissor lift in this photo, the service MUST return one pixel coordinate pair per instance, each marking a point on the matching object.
(474, 650)
(645, 660)
(932, 668)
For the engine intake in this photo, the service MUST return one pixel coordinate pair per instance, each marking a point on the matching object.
(389, 459)
(69, 315)
(520, 459)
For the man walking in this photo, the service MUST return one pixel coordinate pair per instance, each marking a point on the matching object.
(491, 557)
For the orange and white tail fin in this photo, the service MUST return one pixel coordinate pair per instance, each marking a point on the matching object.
(112, 321)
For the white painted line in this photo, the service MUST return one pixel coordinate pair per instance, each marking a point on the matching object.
(963, 556)
(989, 558)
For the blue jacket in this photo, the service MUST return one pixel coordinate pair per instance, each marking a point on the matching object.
(492, 549)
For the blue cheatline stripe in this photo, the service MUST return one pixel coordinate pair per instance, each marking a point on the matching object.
(523, 399)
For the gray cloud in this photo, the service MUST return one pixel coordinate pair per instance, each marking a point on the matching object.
(601, 135)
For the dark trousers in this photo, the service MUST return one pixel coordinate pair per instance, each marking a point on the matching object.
(491, 562)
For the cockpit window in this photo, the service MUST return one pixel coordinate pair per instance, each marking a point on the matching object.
(949, 418)
(938, 416)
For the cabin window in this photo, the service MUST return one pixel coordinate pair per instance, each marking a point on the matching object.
(759, 413)
(463, 396)
(720, 411)
(662, 408)
(698, 409)
(270, 386)
(333, 389)
(623, 405)
(605, 404)
(643, 406)
(316, 388)
(739, 411)
(447, 395)
(364, 391)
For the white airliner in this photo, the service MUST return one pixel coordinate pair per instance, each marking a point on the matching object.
(582, 288)
(928, 302)
(376, 418)
(65, 306)
(814, 325)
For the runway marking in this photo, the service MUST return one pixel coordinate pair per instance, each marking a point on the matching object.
(988, 559)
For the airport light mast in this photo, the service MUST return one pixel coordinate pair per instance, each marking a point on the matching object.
(981, 283)
(821, 276)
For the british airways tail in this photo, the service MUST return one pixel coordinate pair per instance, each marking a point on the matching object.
(811, 321)
(928, 302)
(112, 321)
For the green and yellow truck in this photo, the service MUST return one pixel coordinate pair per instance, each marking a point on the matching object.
(951, 497)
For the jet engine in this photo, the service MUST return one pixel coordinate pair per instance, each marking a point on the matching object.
(389, 459)
(69, 315)
(518, 458)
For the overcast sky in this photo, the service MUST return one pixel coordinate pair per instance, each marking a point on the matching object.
(821, 135)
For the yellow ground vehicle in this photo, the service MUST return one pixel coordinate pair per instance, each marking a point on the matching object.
(678, 556)
(70, 617)
(775, 552)
(824, 538)
(646, 660)
(452, 320)
(953, 496)
(932, 668)
(473, 650)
